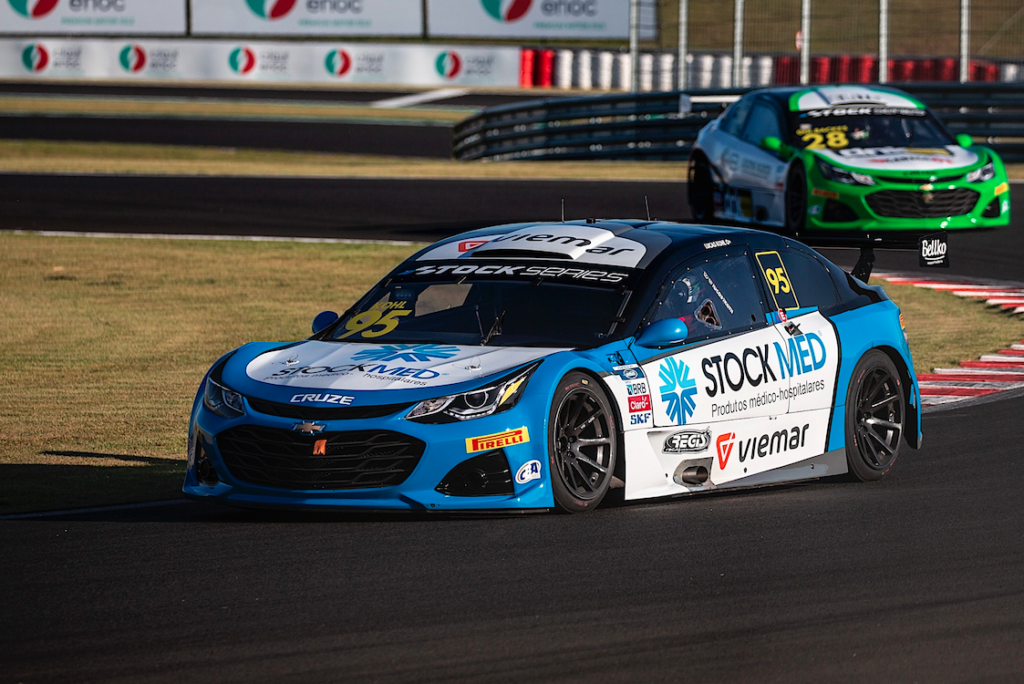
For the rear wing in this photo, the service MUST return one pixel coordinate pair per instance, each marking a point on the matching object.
(932, 248)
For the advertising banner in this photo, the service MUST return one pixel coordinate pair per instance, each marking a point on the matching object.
(307, 17)
(607, 19)
(241, 62)
(109, 17)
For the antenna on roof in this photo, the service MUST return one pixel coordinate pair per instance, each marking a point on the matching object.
(563, 210)
(648, 205)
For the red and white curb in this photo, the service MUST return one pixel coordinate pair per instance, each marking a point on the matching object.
(990, 374)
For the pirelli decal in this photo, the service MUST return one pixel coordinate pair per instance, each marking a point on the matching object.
(498, 441)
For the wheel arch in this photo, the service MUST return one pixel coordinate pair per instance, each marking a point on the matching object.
(913, 412)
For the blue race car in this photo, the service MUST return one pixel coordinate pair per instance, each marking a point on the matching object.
(538, 366)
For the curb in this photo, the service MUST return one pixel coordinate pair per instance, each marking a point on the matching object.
(992, 373)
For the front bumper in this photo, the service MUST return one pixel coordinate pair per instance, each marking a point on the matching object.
(905, 206)
(443, 448)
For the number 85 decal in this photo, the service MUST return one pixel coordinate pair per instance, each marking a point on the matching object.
(779, 284)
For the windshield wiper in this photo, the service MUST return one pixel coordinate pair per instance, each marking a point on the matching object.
(494, 331)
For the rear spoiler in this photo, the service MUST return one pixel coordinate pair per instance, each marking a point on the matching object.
(932, 248)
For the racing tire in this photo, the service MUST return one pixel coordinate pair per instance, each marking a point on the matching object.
(583, 442)
(874, 417)
(701, 192)
(796, 198)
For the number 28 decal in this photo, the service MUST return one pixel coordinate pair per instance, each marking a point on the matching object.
(779, 284)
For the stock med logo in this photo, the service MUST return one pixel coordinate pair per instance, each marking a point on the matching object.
(33, 9)
(448, 64)
(132, 58)
(271, 9)
(242, 60)
(338, 63)
(35, 57)
(410, 353)
(507, 10)
(677, 390)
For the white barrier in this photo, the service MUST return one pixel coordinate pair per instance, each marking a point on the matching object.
(234, 61)
(666, 71)
(605, 67)
(563, 68)
(107, 17)
(583, 77)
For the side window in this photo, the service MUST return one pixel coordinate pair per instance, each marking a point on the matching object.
(736, 116)
(795, 280)
(713, 297)
(763, 121)
(811, 280)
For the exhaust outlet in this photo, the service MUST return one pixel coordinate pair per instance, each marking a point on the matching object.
(694, 475)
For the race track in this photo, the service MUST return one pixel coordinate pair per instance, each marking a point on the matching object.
(915, 578)
(399, 209)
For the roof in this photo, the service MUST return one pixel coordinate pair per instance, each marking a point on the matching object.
(623, 243)
(802, 98)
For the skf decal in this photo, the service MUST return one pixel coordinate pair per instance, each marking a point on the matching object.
(497, 441)
(528, 471)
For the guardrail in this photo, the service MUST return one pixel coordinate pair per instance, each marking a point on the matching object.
(662, 126)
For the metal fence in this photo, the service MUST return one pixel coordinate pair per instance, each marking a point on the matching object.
(662, 126)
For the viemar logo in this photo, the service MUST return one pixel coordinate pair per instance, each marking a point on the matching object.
(338, 63)
(132, 58)
(448, 64)
(242, 60)
(271, 9)
(33, 9)
(35, 57)
(507, 10)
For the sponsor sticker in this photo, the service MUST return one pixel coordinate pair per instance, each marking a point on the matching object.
(528, 471)
(688, 442)
(337, 399)
(934, 250)
(717, 243)
(828, 194)
(497, 441)
(640, 403)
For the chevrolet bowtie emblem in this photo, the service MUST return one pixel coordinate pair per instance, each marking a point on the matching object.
(307, 428)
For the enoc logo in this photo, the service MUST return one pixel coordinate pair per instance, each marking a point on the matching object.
(242, 60)
(338, 63)
(507, 10)
(448, 64)
(33, 9)
(132, 58)
(271, 9)
(35, 57)
(724, 445)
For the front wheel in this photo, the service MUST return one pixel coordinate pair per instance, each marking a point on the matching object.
(582, 443)
(874, 417)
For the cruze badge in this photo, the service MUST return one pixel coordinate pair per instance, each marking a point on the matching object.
(308, 428)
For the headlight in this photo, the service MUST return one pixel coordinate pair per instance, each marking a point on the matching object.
(985, 173)
(834, 173)
(222, 401)
(495, 398)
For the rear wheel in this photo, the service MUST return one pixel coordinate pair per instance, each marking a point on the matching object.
(874, 417)
(796, 198)
(582, 443)
(702, 202)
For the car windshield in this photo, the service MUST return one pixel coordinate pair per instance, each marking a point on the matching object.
(529, 309)
(864, 127)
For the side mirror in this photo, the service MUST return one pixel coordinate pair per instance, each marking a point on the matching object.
(964, 140)
(663, 333)
(323, 319)
(771, 144)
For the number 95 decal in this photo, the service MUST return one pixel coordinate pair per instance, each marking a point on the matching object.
(375, 323)
(779, 284)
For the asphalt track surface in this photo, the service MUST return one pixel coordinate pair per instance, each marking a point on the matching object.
(914, 578)
(400, 209)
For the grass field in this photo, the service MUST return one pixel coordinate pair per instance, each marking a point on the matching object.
(104, 342)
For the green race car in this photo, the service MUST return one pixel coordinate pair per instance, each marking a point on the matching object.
(841, 160)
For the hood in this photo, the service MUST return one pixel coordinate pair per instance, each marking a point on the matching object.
(353, 368)
(879, 160)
